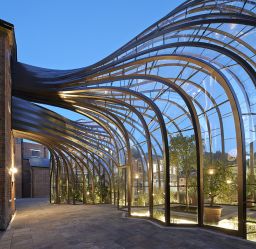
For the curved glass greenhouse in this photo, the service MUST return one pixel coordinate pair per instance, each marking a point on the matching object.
(168, 130)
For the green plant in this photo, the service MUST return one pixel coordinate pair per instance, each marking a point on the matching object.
(159, 215)
(193, 190)
(183, 158)
(142, 199)
(77, 195)
(101, 191)
(89, 195)
(219, 182)
(173, 196)
(250, 186)
(158, 196)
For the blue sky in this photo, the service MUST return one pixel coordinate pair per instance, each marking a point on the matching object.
(65, 34)
(68, 34)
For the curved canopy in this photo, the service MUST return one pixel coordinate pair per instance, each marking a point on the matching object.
(187, 81)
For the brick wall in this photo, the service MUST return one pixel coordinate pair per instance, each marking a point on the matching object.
(26, 179)
(18, 165)
(28, 147)
(40, 182)
(31, 180)
(6, 156)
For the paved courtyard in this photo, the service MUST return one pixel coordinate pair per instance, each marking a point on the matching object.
(43, 226)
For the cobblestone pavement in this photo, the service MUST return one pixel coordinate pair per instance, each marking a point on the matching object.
(41, 225)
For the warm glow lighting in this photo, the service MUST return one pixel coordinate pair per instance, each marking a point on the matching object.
(140, 214)
(161, 218)
(13, 170)
(136, 176)
(182, 221)
(210, 171)
(228, 224)
(87, 192)
(229, 181)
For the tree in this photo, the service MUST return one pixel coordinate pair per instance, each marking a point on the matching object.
(183, 157)
(251, 179)
(219, 182)
(142, 199)
(101, 190)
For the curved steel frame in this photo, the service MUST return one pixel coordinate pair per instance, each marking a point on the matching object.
(173, 78)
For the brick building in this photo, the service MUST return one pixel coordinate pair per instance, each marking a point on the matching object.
(32, 162)
(7, 55)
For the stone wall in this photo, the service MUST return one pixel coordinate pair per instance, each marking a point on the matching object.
(7, 206)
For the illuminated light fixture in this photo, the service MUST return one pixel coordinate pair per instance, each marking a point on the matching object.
(13, 170)
(211, 171)
(229, 181)
(87, 192)
(137, 176)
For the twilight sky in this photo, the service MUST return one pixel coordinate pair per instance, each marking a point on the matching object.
(65, 34)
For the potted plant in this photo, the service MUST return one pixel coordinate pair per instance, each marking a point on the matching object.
(219, 183)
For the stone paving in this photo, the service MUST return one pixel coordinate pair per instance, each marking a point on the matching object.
(41, 225)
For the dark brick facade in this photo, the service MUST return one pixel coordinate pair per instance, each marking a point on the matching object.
(33, 177)
(40, 182)
(7, 205)
(18, 165)
(29, 148)
(26, 179)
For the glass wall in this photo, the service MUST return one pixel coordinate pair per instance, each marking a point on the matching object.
(169, 121)
(183, 179)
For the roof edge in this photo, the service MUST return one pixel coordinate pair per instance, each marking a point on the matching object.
(6, 25)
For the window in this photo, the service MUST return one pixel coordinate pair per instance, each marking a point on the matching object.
(35, 153)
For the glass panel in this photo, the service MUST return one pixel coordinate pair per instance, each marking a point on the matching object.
(183, 179)
(220, 180)
(251, 192)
